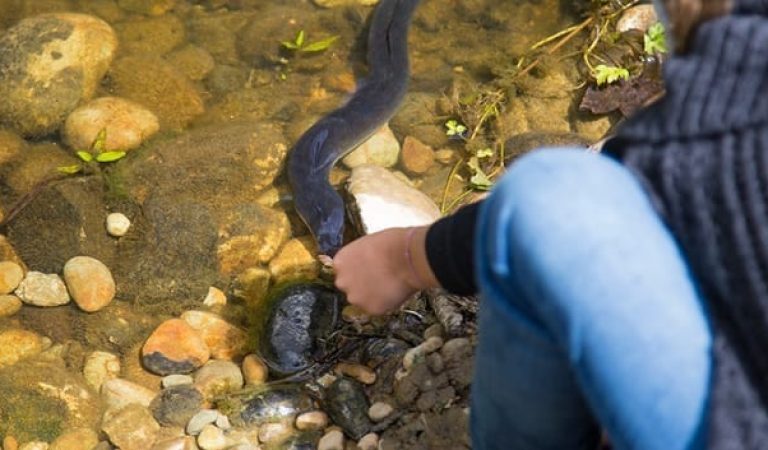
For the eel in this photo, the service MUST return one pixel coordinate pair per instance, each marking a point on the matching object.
(374, 102)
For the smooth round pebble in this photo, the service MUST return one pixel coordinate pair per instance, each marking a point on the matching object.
(127, 124)
(118, 224)
(380, 411)
(75, 439)
(332, 440)
(89, 282)
(255, 371)
(361, 373)
(200, 420)
(312, 420)
(212, 438)
(41, 289)
(368, 442)
(11, 275)
(218, 376)
(9, 305)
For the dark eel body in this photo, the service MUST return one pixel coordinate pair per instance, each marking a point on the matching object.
(373, 104)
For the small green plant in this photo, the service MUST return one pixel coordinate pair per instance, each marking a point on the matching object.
(609, 74)
(300, 44)
(654, 40)
(97, 152)
(455, 129)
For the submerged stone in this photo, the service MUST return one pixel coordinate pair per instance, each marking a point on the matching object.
(299, 316)
(347, 405)
(273, 404)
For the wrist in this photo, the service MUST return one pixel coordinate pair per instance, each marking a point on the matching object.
(418, 274)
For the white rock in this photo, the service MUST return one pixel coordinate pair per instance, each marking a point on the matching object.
(332, 440)
(382, 200)
(215, 297)
(40, 289)
(119, 392)
(127, 124)
(118, 224)
(200, 420)
(222, 421)
(100, 367)
(368, 442)
(176, 380)
(212, 438)
(312, 420)
(381, 149)
(272, 433)
(380, 411)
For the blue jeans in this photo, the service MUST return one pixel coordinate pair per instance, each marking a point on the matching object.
(589, 318)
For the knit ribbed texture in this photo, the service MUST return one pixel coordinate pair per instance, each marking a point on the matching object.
(703, 154)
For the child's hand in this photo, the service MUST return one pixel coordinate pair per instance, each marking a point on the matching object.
(375, 272)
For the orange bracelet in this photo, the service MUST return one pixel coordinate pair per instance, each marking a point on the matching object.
(409, 257)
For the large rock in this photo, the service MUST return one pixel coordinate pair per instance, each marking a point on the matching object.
(49, 64)
(383, 200)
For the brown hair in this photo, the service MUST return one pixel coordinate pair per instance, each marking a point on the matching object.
(686, 15)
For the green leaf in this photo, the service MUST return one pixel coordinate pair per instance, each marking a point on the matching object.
(484, 153)
(320, 45)
(100, 143)
(110, 156)
(479, 179)
(608, 74)
(289, 45)
(300, 38)
(654, 40)
(85, 156)
(70, 170)
(454, 128)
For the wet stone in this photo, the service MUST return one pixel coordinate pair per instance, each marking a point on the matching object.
(9, 305)
(274, 403)
(174, 347)
(16, 344)
(332, 440)
(127, 124)
(368, 442)
(215, 298)
(347, 405)
(380, 411)
(224, 340)
(212, 438)
(118, 224)
(217, 377)
(75, 439)
(11, 275)
(379, 350)
(176, 380)
(177, 443)
(117, 393)
(255, 372)
(312, 420)
(41, 289)
(274, 433)
(131, 428)
(299, 316)
(99, 367)
(359, 372)
(381, 149)
(200, 420)
(89, 282)
(417, 157)
(176, 405)
(458, 357)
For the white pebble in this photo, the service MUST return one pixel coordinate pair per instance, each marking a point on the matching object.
(215, 297)
(118, 224)
(176, 380)
(223, 422)
(332, 440)
(312, 420)
(200, 420)
(379, 411)
(368, 442)
(40, 289)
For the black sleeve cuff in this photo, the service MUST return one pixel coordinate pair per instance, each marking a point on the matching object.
(450, 247)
